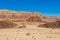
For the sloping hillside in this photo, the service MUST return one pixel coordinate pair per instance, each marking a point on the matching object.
(28, 17)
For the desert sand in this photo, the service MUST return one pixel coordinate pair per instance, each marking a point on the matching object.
(30, 34)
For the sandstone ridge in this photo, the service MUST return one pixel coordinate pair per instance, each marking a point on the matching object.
(8, 19)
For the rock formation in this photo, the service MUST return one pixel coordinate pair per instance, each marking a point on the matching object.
(55, 24)
(7, 24)
(12, 16)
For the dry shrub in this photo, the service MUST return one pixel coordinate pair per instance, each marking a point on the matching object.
(7, 24)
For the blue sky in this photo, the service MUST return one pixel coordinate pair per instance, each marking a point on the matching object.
(46, 7)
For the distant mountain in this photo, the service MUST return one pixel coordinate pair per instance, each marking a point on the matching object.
(26, 16)
(13, 16)
(6, 14)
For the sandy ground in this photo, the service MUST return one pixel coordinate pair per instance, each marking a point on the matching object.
(30, 34)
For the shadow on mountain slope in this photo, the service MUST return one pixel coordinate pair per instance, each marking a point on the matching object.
(51, 25)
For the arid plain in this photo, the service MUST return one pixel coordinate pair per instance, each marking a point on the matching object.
(30, 34)
(28, 26)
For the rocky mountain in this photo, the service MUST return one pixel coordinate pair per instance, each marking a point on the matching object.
(13, 16)
(25, 16)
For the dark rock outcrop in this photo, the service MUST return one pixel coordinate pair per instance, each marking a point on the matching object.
(7, 24)
(51, 25)
(33, 19)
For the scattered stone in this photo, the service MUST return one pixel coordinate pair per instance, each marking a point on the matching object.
(28, 34)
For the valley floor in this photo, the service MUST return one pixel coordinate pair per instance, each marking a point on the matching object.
(30, 34)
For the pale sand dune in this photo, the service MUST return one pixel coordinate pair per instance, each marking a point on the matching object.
(30, 34)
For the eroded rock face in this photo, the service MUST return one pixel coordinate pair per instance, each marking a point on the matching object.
(51, 25)
(7, 24)
(33, 19)
(50, 22)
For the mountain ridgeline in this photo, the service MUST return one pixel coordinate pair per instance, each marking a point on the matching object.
(12, 16)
